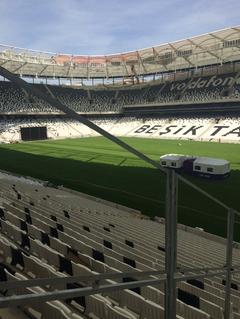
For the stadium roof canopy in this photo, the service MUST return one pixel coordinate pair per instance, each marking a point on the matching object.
(208, 49)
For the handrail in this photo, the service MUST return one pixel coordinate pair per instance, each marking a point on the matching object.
(24, 299)
(97, 278)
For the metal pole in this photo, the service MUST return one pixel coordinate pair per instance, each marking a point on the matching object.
(229, 251)
(171, 244)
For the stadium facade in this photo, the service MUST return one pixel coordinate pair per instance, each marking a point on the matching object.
(215, 48)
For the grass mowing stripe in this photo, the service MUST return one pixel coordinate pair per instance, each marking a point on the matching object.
(101, 168)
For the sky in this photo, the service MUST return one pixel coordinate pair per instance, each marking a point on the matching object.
(96, 27)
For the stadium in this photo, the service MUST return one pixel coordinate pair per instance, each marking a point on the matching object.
(91, 225)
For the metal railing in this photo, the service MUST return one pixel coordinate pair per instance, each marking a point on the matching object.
(96, 287)
(171, 275)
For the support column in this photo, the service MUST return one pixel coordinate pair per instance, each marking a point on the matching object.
(229, 251)
(171, 243)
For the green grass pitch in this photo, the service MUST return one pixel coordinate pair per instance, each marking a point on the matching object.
(100, 168)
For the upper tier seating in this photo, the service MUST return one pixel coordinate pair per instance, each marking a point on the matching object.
(15, 100)
(197, 89)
